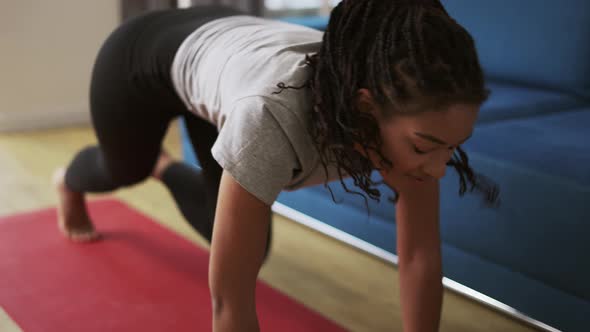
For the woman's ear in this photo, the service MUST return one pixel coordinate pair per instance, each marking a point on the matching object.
(365, 103)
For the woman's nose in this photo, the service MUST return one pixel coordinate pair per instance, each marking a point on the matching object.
(437, 166)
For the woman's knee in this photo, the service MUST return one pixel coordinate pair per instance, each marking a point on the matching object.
(130, 170)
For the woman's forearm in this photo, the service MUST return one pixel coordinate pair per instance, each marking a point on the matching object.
(421, 294)
(419, 257)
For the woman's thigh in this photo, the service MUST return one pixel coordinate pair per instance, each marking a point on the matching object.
(130, 109)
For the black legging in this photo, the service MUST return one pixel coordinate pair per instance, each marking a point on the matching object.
(132, 102)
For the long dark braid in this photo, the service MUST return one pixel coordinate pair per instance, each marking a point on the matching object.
(432, 64)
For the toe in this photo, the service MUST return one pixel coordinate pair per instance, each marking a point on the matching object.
(80, 236)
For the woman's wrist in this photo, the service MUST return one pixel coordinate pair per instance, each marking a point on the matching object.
(231, 322)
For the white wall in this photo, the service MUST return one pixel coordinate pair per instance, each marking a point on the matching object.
(47, 48)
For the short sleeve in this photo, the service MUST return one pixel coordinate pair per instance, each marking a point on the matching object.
(254, 149)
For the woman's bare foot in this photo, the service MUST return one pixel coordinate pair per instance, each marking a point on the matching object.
(163, 162)
(72, 217)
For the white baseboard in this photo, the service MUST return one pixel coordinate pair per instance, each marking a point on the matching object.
(44, 119)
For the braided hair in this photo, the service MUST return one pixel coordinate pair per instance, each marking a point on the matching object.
(432, 63)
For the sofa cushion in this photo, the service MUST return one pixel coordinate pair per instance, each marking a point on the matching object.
(555, 144)
(509, 101)
(543, 42)
(540, 229)
(315, 22)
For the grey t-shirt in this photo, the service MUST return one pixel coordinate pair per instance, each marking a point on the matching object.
(226, 72)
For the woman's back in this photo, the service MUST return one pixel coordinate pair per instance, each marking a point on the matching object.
(238, 56)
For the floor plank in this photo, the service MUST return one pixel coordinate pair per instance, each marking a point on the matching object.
(7, 324)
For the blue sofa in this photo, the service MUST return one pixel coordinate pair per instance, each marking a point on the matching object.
(529, 258)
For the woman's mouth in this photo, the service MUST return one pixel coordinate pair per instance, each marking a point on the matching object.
(416, 178)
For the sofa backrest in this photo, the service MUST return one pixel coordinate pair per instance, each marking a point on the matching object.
(543, 43)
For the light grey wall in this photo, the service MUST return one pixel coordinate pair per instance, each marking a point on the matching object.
(48, 49)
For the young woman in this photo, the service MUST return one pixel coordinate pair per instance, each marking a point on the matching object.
(393, 86)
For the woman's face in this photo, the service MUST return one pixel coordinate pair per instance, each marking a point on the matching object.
(420, 145)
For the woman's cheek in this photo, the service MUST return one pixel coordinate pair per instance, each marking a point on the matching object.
(404, 160)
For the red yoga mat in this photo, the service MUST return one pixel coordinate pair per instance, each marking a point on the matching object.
(139, 277)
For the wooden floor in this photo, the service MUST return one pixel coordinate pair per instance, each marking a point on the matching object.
(356, 290)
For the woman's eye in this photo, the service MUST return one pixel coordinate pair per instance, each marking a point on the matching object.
(418, 151)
